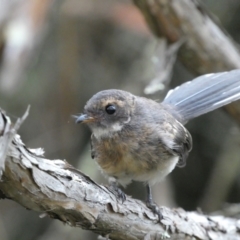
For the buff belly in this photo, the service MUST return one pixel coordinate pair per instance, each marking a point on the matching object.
(125, 167)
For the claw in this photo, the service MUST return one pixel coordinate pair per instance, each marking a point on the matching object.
(155, 209)
(119, 194)
(152, 205)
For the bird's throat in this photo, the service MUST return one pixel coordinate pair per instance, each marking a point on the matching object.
(106, 132)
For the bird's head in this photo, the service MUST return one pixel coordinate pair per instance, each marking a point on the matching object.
(107, 112)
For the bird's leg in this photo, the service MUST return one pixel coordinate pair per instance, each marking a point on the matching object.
(116, 190)
(152, 205)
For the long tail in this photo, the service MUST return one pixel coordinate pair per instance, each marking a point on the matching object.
(204, 94)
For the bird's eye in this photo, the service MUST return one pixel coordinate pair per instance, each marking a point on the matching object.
(110, 109)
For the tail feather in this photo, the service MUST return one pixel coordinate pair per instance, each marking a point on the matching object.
(204, 94)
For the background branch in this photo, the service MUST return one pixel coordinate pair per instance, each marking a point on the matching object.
(207, 48)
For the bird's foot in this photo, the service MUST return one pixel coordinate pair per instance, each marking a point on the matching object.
(119, 194)
(155, 209)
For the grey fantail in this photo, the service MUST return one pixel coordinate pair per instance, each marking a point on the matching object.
(135, 138)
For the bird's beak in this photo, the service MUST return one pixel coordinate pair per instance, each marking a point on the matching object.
(84, 118)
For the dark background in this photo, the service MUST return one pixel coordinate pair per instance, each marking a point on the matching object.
(76, 48)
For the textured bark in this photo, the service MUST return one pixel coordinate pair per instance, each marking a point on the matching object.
(56, 189)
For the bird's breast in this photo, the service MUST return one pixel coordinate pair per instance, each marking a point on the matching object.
(133, 158)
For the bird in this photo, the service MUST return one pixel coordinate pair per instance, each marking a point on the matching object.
(138, 139)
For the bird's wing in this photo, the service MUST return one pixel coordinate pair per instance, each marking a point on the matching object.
(176, 140)
(183, 145)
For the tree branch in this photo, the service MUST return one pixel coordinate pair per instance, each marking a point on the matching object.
(56, 189)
